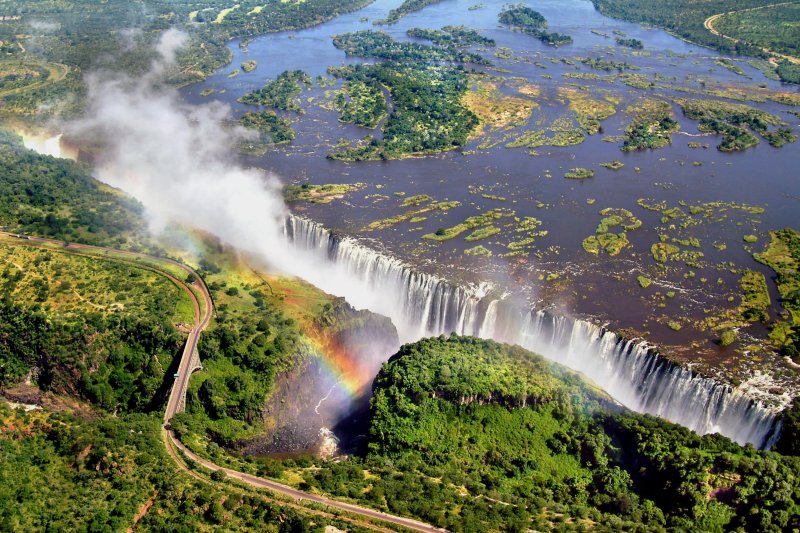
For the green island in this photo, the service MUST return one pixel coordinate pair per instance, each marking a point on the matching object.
(281, 92)
(606, 240)
(651, 128)
(427, 112)
(408, 6)
(249, 65)
(735, 123)
(271, 129)
(458, 36)
(320, 194)
(379, 44)
(636, 44)
(531, 22)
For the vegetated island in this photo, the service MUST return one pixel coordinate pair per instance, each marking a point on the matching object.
(533, 23)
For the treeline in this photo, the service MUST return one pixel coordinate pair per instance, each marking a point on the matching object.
(449, 431)
(531, 22)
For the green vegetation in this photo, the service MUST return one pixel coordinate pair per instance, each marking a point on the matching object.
(774, 28)
(755, 297)
(478, 250)
(789, 72)
(532, 23)
(271, 128)
(735, 122)
(458, 36)
(783, 256)
(379, 44)
(579, 173)
(320, 194)
(249, 65)
(636, 44)
(281, 92)
(686, 18)
(518, 443)
(607, 65)
(613, 165)
(111, 347)
(59, 199)
(413, 213)
(79, 470)
(730, 65)
(651, 128)
(361, 102)
(483, 221)
(604, 239)
(644, 281)
(427, 115)
(563, 131)
(408, 6)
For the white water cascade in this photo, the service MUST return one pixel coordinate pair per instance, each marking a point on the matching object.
(423, 305)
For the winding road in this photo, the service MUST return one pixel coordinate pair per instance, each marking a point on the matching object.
(709, 25)
(202, 317)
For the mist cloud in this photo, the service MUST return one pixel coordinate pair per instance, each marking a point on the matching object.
(178, 160)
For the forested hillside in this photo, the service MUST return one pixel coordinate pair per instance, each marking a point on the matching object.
(514, 442)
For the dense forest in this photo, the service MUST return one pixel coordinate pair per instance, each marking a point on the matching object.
(427, 114)
(514, 442)
(92, 342)
(83, 471)
(58, 198)
(686, 18)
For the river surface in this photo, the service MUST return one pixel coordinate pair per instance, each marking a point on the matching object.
(556, 272)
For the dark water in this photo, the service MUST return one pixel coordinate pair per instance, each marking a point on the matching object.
(604, 287)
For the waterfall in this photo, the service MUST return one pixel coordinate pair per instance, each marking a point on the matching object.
(423, 305)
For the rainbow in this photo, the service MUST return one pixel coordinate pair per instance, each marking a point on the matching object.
(349, 374)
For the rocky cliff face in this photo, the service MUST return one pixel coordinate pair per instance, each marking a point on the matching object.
(345, 349)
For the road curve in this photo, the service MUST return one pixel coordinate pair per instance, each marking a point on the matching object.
(709, 25)
(202, 319)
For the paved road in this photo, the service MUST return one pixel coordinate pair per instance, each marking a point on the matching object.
(202, 317)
